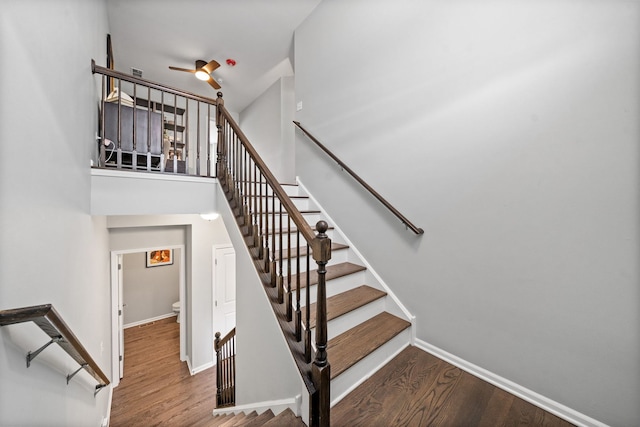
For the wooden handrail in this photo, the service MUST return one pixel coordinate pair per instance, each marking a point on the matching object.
(382, 200)
(48, 319)
(296, 216)
(247, 182)
(128, 78)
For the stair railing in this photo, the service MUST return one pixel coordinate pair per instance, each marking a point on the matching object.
(225, 369)
(275, 231)
(147, 126)
(375, 194)
(48, 319)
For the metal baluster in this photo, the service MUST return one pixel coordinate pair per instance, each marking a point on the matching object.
(134, 154)
(289, 250)
(307, 341)
(103, 139)
(149, 110)
(197, 140)
(280, 277)
(298, 310)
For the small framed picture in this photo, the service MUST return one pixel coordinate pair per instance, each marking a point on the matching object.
(159, 257)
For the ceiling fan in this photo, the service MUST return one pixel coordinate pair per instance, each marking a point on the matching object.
(203, 71)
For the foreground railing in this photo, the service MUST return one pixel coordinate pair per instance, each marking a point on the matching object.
(277, 234)
(146, 126)
(362, 182)
(225, 369)
(48, 319)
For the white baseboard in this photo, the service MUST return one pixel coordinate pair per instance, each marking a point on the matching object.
(524, 393)
(201, 368)
(276, 406)
(153, 319)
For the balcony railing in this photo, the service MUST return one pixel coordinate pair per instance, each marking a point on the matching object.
(146, 126)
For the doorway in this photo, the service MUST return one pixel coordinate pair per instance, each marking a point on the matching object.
(117, 303)
(224, 289)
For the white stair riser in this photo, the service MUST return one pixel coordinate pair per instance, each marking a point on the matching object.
(362, 370)
(347, 321)
(335, 286)
(336, 258)
(294, 240)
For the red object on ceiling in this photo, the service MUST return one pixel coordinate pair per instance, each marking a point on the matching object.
(231, 62)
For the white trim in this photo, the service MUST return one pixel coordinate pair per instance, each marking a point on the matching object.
(201, 368)
(276, 406)
(408, 316)
(152, 319)
(524, 393)
(151, 176)
(107, 417)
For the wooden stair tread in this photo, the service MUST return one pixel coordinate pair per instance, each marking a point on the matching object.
(220, 419)
(333, 272)
(350, 347)
(285, 418)
(345, 302)
(303, 251)
(260, 419)
(247, 419)
(231, 421)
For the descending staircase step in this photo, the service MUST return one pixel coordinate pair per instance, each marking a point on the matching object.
(232, 421)
(333, 272)
(348, 348)
(247, 419)
(285, 418)
(220, 419)
(261, 419)
(345, 302)
(303, 251)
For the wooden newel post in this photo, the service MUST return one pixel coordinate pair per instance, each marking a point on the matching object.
(216, 346)
(321, 369)
(220, 146)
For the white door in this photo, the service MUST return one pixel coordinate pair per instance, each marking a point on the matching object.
(224, 292)
(120, 315)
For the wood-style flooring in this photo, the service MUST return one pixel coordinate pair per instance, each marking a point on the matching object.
(415, 389)
(157, 388)
(418, 389)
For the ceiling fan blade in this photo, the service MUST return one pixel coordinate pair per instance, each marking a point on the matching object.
(214, 84)
(212, 65)
(182, 69)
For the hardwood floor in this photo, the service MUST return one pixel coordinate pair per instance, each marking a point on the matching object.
(415, 389)
(418, 389)
(157, 388)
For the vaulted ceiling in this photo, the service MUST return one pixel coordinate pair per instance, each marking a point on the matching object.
(151, 35)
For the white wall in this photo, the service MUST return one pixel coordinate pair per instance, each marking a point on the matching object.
(267, 122)
(52, 250)
(509, 132)
(265, 370)
(149, 292)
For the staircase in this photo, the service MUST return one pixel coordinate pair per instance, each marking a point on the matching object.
(285, 418)
(365, 326)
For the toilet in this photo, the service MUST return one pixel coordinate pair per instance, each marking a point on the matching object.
(176, 309)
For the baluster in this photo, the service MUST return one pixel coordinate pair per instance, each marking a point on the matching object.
(257, 213)
(281, 276)
(149, 109)
(103, 138)
(197, 140)
(274, 275)
(264, 224)
(162, 167)
(289, 299)
(247, 189)
(134, 153)
(209, 140)
(298, 310)
(307, 340)
(185, 134)
(119, 149)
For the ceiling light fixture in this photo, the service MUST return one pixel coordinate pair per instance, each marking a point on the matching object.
(202, 75)
(210, 216)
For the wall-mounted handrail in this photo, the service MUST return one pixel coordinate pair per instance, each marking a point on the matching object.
(382, 200)
(48, 319)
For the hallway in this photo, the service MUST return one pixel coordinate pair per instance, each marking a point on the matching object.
(157, 388)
